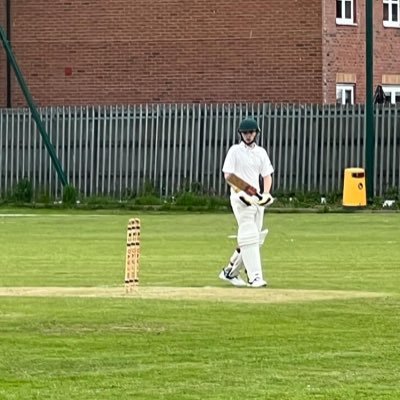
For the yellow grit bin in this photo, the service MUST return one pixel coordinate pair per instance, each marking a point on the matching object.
(354, 192)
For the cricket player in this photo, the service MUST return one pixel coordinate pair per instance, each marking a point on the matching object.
(249, 162)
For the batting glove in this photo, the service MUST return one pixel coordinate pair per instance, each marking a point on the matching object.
(266, 200)
(246, 199)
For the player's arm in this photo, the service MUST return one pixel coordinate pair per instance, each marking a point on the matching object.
(244, 191)
(267, 199)
(267, 183)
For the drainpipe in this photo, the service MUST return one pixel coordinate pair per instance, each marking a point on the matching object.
(8, 68)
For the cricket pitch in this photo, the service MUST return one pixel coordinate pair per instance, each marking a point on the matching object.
(218, 294)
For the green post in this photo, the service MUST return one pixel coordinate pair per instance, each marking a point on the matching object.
(31, 104)
(369, 99)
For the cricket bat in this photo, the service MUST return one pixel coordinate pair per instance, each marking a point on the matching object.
(239, 183)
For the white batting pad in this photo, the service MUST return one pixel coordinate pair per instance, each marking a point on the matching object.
(263, 235)
(252, 261)
(247, 234)
(248, 239)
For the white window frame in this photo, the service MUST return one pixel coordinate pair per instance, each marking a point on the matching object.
(343, 20)
(343, 87)
(389, 23)
(391, 90)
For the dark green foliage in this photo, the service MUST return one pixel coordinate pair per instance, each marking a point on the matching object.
(392, 193)
(23, 192)
(148, 199)
(218, 202)
(149, 189)
(310, 199)
(190, 199)
(334, 198)
(70, 195)
(42, 197)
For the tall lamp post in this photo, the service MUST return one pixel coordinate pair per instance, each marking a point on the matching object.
(369, 98)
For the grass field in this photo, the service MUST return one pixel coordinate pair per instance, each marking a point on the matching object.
(327, 327)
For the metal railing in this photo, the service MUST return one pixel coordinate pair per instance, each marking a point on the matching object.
(116, 150)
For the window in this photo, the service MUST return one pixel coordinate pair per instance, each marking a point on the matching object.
(345, 12)
(392, 93)
(391, 13)
(344, 94)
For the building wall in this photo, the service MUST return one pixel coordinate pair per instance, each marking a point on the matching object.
(344, 50)
(124, 51)
(3, 67)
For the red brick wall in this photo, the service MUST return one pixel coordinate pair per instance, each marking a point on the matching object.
(344, 49)
(126, 51)
(2, 56)
(386, 48)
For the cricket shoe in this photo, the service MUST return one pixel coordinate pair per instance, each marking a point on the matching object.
(234, 280)
(257, 283)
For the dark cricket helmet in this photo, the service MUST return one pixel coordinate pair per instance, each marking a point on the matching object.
(248, 125)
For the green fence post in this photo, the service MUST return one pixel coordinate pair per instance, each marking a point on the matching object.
(369, 100)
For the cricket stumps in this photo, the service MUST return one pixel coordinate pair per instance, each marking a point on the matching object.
(132, 255)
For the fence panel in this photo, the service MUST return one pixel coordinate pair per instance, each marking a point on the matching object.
(119, 151)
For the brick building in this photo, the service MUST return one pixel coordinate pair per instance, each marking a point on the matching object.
(150, 51)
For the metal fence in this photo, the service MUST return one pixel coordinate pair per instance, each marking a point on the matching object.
(117, 150)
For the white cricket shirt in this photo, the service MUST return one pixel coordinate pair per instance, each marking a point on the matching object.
(248, 163)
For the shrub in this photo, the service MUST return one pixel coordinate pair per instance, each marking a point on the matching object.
(191, 199)
(23, 191)
(148, 199)
(70, 195)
